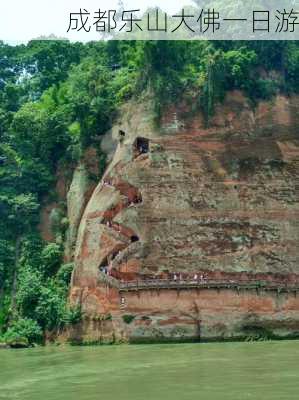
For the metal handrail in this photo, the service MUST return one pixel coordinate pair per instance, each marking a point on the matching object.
(146, 284)
(165, 283)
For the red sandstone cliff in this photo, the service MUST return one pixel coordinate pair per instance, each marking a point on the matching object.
(219, 203)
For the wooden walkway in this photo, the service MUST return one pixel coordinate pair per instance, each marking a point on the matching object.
(156, 284)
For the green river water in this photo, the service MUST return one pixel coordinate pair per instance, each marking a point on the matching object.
(208, 371)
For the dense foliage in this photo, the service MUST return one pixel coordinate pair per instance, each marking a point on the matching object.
(57, 98)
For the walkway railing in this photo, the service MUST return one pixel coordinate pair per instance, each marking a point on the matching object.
(206, 284)
(149, 284)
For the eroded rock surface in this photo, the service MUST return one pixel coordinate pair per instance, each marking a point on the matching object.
(219, 202)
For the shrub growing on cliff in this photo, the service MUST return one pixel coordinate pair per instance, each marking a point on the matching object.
(239, 66)
(128, 318)
(46, 301)
(23, 328)
(65, 273)
(292, 67)
(51, 258)
(72, 315)
(29, 291)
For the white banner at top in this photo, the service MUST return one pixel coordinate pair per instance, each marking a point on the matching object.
(87, 20)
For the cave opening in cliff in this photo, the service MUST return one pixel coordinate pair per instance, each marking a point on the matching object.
(103, 267)
(137, 199)
(142, 145)
(134, 238)
(121, 135)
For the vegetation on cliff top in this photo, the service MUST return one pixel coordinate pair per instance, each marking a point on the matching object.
(57, 98)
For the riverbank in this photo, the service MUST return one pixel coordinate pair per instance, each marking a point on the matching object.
(152, 341)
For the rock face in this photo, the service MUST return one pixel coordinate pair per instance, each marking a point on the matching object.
(187, 202)
(74, 187)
